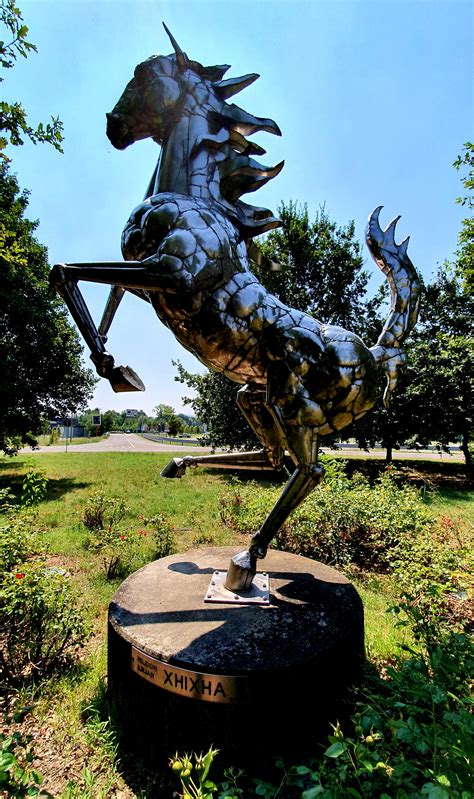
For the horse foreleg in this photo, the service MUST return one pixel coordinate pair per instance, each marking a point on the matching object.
(64, 278)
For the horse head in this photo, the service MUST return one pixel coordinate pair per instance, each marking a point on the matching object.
(181, 103)
(147, 106)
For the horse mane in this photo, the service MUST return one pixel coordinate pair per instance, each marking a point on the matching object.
(239, 173)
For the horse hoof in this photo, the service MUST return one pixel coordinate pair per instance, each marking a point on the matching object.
(122, 378)
(175, 468)
(242, 569)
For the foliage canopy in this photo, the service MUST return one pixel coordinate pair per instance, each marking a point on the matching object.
(40, 352)
(14, 125)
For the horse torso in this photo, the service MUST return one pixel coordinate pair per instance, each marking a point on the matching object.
(219, 311)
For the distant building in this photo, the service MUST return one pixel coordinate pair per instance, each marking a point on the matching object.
(72, 431)
(131, 413)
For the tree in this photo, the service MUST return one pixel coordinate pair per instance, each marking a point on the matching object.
(167, 420)
(323, 275)
(322, 263)
(214, 403)
(40, 352)
(433, 400)
(441, 375)
(13, 119)
(465, 253)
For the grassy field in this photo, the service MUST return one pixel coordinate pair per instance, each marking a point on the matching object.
(45, 441)
(69, 709)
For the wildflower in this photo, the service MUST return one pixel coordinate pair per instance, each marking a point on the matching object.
(19, 575)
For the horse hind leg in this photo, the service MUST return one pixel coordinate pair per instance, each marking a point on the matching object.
(253, 404)
(303, 443)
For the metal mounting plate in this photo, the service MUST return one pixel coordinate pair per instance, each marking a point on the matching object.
(257, 594)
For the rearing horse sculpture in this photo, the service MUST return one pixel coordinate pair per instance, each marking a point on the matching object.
(187, 248)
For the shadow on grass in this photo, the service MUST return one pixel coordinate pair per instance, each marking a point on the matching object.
(56, 486)
(416, 472)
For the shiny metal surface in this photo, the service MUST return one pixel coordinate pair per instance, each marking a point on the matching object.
(186, 249)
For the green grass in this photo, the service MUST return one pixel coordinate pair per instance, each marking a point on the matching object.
(71, 705)
(457, 503)
(45, 441)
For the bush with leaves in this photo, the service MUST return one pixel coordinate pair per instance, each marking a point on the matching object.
(18, 540)
(34, 488)
(17, 777)
(344, 521)
(103, 512)
(41, 625)
(124, 549)
(412, 732)
(385, 527)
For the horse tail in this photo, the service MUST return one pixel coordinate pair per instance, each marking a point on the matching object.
(405, 288)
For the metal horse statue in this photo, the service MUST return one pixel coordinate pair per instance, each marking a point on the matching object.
(187, 249)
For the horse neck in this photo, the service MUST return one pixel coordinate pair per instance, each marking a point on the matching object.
(185, 168)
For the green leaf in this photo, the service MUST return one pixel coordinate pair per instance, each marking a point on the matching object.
(335, 749)
(6, 760)
(303, 770)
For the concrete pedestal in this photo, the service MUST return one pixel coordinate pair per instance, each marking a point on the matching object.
(252, 680)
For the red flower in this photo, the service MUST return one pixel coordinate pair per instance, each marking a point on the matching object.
(19, 575)
(123, 537)
(142, 532)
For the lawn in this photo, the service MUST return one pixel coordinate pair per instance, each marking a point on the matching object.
(74, 744)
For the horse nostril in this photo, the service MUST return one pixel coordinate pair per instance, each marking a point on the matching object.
(117, 132)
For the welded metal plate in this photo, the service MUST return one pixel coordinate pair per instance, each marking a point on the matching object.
(257, 594)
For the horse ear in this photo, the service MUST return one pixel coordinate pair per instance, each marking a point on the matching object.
(181, 57)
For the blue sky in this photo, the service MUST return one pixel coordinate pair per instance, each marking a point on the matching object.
(374, 100)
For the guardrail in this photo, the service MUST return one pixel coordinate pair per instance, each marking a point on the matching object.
(170, 440)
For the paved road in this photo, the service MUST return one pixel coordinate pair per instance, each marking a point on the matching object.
(123, 442)
(129, 442)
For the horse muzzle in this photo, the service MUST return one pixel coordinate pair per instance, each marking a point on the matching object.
(117, 132)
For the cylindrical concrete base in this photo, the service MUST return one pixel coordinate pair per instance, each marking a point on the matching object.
(252, 680)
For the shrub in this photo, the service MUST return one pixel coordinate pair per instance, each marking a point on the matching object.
(162, 534)
(41, 627)
(34, 488)
(103, 512)
(53, 436)
(17, 778)
(410, 735)
(383, 527)
(18, 539)
(122, 549)
(342, 522)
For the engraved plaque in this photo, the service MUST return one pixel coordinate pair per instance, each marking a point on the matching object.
(221, 688)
